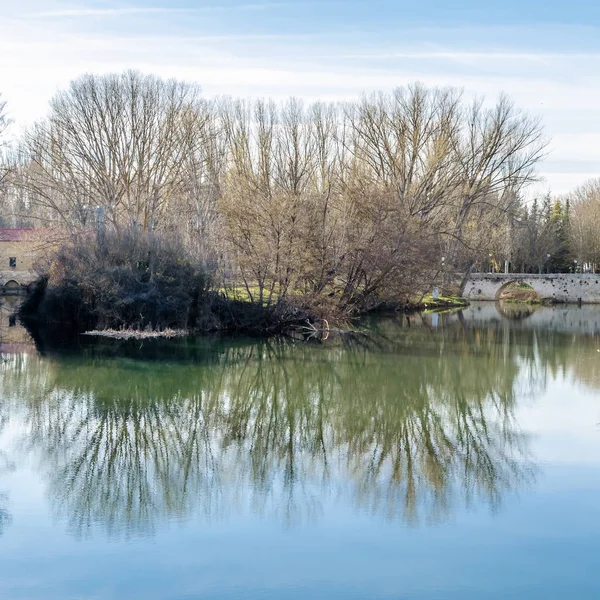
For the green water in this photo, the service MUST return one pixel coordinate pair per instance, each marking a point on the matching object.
(445, 456)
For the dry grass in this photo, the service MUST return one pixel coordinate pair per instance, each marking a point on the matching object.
(136, 334)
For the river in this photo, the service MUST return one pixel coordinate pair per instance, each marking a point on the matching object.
(441, 456)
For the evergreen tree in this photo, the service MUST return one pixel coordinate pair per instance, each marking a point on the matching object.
(561, 260)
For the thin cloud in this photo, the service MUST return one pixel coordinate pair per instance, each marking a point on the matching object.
(451, 55)
(104, 12)
(148, 10)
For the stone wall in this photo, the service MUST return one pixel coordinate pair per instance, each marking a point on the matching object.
(562, 287)
(26, 254)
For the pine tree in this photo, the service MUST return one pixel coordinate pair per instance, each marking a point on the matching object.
(558, 223)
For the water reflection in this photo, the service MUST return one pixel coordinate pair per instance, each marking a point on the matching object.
(405, 422)
(13, 336)
(5, 466)
(515, 310)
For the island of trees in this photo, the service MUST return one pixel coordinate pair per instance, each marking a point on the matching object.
(186, 212)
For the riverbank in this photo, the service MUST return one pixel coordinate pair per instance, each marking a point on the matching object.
(301, 330)
(442, 302)
(307, 328)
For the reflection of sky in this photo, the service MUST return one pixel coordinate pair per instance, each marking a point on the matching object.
(541, 545)
(565, 423)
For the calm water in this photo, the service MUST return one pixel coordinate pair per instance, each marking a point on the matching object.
(454, 456)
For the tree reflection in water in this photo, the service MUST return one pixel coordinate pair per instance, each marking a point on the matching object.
(404, 422)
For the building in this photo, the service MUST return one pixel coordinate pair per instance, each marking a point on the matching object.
(20, 251)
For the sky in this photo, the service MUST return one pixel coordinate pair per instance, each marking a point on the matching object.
(544, 53)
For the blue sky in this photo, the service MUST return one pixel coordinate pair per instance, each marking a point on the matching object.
(546, 55)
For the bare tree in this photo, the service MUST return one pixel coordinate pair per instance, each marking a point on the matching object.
(584, 219)
(5, 165)
(336, 207)
(4, 124)
(118, 142)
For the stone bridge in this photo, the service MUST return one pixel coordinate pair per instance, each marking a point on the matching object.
(561, 287)
(15, 282)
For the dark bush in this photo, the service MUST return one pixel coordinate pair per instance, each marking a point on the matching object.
(127, 279)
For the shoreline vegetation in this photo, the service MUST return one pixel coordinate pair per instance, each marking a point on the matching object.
(308, 330)
(136, 285)
(186, 214)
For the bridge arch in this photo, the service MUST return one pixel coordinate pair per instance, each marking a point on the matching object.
(521, 290)
(11, 286)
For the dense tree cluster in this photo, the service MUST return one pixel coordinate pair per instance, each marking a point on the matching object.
(584, 225)
(538, 238)
(556, 235)
(340, 207)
